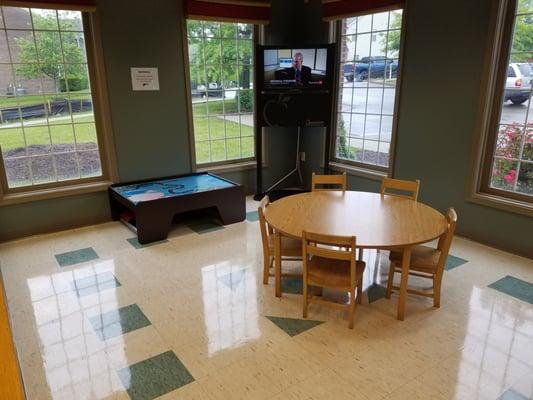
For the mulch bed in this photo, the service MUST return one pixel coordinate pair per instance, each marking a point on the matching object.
(65, 156)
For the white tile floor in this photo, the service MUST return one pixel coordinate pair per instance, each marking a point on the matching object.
(478, 345)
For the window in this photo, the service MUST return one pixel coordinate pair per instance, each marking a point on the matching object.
(507, 168)
(48, 131)
(221, 81)
(369, 59)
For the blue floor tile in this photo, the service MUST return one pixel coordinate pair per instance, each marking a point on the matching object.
(511, 394)
(291, 285)
(76, 257)
(252, 216)
(515, 287)
(375, 292)
(454, 262)
(155, 376)
(293, 326)
(135, 243)
(94, 284)
(207, 225)
(118, 322)
(233, 279)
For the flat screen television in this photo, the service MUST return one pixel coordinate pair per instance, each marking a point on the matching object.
(304, 67)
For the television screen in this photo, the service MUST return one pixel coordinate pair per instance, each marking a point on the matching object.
(298, 68)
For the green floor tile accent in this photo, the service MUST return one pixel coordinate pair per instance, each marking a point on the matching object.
(233, 279)
(155, 376)
(375, 292)
(252, 216)
(94, 284)
(135, 243)
(205, 225)
(293, 326)
(76, 257)
(454, 262)
(117, 322)
(511, 394)
(292, 285)
(515, 287)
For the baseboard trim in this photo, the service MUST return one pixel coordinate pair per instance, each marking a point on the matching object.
(9, 236)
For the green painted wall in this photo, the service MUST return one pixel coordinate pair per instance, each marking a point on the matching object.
(150, 128)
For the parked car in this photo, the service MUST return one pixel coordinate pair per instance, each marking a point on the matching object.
(213, 90)
(373, 67)
(518, 83)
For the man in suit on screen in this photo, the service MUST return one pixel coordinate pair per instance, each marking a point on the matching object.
(300, 73)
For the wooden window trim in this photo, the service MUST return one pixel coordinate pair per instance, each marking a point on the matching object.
(491, 95)
(106, 147)
(238, 164)
(357, 168)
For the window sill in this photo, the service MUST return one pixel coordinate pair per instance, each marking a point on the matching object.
(357, 171)
(233, 167)
(502, 203)
(54, 192)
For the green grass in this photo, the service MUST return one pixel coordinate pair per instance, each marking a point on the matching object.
(84, 131)
(219, 140)
(35, 99)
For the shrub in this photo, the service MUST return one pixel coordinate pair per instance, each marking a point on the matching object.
(75, 84)
(246, 100)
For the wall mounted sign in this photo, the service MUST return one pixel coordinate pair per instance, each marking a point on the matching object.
(144, 79)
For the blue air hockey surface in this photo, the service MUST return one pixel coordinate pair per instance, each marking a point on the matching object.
(158, 189)
(149, 206)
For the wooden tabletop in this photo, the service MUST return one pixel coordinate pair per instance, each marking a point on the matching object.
(377, 221)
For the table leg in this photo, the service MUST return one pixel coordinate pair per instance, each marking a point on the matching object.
(277, 262)
(406, 259)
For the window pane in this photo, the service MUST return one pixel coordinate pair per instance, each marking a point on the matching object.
(367, 88)
(44, 89)
(514, 144)
(221, 74)
(525, 178)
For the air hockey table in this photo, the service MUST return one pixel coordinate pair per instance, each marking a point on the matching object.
(149, 206)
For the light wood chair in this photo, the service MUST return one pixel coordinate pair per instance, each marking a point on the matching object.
(291, 249)
(410, 188)
(426, 262)
(333, 267)
(318, 182)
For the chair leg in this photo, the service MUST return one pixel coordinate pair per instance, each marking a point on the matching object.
(436, 291)
(360, 291)
(390, 281)
(351, 311)
(267, 263)
(305, 300)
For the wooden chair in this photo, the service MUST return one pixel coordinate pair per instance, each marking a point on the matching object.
(334, 267)
(426, 262)
(291, 249)
(408, 187)
(318, 182)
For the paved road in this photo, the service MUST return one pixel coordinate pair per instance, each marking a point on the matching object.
(355, 99)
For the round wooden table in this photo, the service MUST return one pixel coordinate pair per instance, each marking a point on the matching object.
(377, 221)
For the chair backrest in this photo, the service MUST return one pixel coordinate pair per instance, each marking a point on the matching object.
(445, 240)
(318, 181)
(410, 188)
(265, 229)
(344, 249)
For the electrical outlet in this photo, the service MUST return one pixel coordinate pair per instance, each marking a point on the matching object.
(302, 156)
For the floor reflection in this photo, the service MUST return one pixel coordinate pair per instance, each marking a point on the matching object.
(230, 305)
(76, 362)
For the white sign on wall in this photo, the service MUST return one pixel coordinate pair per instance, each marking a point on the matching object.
(144, 79)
